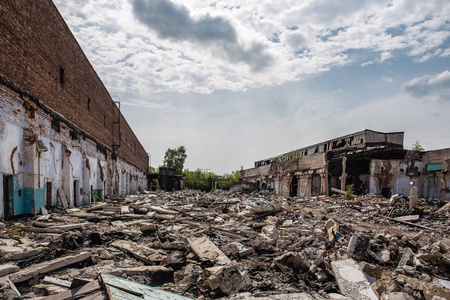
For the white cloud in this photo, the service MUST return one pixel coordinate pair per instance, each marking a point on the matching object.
(387, 79)
(385, 56)
(430, 86)
(206, 46)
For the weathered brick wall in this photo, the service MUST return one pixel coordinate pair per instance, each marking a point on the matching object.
(36, 47)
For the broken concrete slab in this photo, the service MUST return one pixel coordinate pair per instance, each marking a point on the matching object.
(207, 251)
(351, 280)
(292, 261)
(430, 290)
(407, 257)
(48, 266)
(358, 246)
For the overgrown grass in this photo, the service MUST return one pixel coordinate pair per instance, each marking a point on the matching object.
(13, 231)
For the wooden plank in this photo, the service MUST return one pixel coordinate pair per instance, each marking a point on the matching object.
(42, 230)
(62, 197)
(100, 295)
(8, 269)
(56, 281)
(407, 223)
(410, 218)
(77, 292)
(147, 292)
(96, 207)
(48, 266)
(146, 254)
(161, 210)
(114, 293)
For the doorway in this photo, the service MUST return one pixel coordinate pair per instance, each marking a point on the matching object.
(8, 196)
(49, 191)
(316, 184)
(294, 187)
(76, 192)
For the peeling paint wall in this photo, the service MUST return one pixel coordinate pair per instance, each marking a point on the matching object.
(74, 165)
(397, 175)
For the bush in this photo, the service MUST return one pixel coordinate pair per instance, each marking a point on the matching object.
(348, 192)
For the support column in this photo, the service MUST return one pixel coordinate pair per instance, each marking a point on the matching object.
(344, 174)
(325, 179)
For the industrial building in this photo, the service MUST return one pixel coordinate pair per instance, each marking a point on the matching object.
(374, 162)
(63, 139)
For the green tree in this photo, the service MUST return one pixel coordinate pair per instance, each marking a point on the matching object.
(417, 147)
(230, 178)
(199, 180)
(175, 158)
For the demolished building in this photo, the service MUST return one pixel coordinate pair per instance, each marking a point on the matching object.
(63, 139)
(374, 162)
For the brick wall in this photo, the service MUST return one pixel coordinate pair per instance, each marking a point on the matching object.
(40, 55)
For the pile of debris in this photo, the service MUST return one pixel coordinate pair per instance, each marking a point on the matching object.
(187, 244)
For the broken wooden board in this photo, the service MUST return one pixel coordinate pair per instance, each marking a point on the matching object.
(6, 284)
(96, 207)
(62, 197)
(161, 210)
(24, 254)
(78, 292)
(207, 251)
(56, 281)
(8, 269)
(140, 270)
(410, 218)
(48, 266)
(70, 226)
(141, 252)
(42, 230)
(119, 288)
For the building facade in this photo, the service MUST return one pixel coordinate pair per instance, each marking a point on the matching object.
(63, 139)
(374, 162)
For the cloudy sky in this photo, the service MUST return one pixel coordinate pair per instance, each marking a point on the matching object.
(238, 81)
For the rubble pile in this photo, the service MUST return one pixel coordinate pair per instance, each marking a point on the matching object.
(193, 245)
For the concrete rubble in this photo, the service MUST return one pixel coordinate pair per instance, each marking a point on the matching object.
(192, 245)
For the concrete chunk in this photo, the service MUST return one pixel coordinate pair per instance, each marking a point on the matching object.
(229, 279)
(351, 280)
(207, 251)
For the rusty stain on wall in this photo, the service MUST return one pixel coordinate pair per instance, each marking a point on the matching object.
(12, 160)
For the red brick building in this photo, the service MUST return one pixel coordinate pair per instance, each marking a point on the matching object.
(61, 133)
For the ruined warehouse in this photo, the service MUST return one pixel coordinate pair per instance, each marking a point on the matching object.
(374, 162)
(63, 139)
